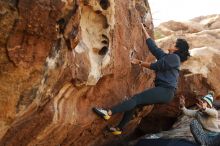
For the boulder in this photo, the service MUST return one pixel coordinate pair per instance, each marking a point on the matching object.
(61, 58)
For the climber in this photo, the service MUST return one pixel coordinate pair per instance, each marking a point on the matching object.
(205, 128)
(167, 72)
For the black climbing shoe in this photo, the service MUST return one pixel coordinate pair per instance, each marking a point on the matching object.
(102, 113)
(115, 130)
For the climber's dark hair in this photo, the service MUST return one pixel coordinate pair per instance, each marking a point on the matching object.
(183, 49)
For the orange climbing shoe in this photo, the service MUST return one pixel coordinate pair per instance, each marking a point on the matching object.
(115, 130)
(102, 113)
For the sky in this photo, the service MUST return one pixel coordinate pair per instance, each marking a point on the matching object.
(180, 10)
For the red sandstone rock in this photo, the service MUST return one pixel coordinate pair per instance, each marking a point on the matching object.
(60, 59)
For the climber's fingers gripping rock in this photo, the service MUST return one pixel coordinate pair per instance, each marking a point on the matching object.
(135, 61)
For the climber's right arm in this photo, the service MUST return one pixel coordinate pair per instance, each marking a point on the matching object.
(157, 52)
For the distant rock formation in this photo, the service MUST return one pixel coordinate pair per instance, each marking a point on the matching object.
(204, 44)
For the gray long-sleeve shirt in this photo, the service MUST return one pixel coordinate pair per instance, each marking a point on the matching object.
(208, 118)
(166, 66)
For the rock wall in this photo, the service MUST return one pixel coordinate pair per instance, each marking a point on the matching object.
(59, 59)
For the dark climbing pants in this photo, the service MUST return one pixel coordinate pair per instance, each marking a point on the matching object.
(156, 95)
(202, 137)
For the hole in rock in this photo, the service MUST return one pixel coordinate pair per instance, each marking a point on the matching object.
(86, 2)
(104, 4)
(13, 3)
(105, 22)
(105, 42)
(105, 39)
(98, 12)
(105, 25)
(164, 123)
(104, 36)
(61, 22)
(103, 51)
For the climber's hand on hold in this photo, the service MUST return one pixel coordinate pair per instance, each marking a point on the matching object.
(144, 28)
(141, 63)
(135, 61)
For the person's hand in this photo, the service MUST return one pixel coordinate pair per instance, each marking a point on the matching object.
(182, 101)
(144, 28)
(135, 61)
(200, 105)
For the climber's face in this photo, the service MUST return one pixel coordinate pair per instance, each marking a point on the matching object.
(172, 49)
(203, 104)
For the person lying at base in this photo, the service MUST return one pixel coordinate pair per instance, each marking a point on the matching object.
(167, 72)
(205, 128)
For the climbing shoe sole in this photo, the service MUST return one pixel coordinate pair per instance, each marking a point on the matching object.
(115, 131)
(100, 114)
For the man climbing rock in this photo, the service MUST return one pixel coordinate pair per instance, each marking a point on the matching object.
(206, 126)
(167, 72)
